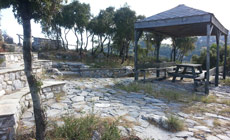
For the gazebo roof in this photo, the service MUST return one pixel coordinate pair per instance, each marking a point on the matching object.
(181, 21)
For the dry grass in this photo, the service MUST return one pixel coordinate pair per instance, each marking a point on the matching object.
(58, 96)
(216, 123)
(209, 99)
(224, 101)
(84, 128)
(226, 82)
(225, 111)
(164, 93)
(175, 124)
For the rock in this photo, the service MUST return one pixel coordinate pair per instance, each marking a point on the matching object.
(191, 123)
(143, 123)
(56, 72)
(59, 106)
(175, 138)
(93, 99)
(160, 120)
(134, 114)
(27, 115)
(192, 138)
(12, 76)
(210, 137)
(102, 105)
(222, 137)
(123, 130)
(47, 89)
(184, 134)
(17, 84)
(183, 115)
(121, 112)
(129, 118)
(49, 95)
(96, 135)
(53, 113)
(203, 128)
(2, 92)
(112, 91)
(78, 99)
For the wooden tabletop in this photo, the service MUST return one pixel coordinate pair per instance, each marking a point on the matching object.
(189, 65)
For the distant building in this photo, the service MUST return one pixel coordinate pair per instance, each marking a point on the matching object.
(44, 44)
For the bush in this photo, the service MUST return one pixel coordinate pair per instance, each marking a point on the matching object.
(84, 129)
(175, 124)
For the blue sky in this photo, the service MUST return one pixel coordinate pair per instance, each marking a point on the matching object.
(220, 8)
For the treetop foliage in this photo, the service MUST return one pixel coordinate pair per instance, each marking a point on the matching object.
(32, 9)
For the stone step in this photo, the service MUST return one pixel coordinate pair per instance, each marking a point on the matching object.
(12, 79)
(69, 65)
(13, 105)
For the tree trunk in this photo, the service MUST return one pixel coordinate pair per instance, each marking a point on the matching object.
(122, 53)
(87, 40)
(33, 84)
(63, 42)
(92, 44)
(127, 50)
(67, 44)
(75, 33)
(81, 44)
(108, 48)
(57, 38)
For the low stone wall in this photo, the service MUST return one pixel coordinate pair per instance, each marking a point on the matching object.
(100, 73)
(9, 59)
(13, 105)
(14, 79)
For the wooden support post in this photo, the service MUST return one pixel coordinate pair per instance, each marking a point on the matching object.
(174, 52)
(137, 36)
(225, 55)
(209, 31)
(217, 59)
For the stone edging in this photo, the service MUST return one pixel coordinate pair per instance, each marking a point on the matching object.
(13, 105)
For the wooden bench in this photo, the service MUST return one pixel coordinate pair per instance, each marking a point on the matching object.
(157, 67)
(201, 78)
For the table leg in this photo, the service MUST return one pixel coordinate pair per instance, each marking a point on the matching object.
(184, 71)
(200, 69)
(194, 76)
(176, 72)
(144, 76)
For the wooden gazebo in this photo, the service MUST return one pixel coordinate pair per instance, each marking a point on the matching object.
(183, 21)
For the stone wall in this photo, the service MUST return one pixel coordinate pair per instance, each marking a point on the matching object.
(17, 103)
(100, 73)
(14, 79)
(82, 70)
(10, 59)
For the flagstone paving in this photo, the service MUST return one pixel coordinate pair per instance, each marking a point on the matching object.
(97, 96)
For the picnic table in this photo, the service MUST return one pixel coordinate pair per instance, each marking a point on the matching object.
(188, 71)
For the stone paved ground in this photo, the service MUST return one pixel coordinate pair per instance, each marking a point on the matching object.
(84, 96)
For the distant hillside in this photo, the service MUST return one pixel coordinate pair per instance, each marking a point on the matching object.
(165, 49)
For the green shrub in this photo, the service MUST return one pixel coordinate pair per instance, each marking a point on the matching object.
(175, 124)
(84, 128)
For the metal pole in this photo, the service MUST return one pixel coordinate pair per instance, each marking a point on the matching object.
(217, 58)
